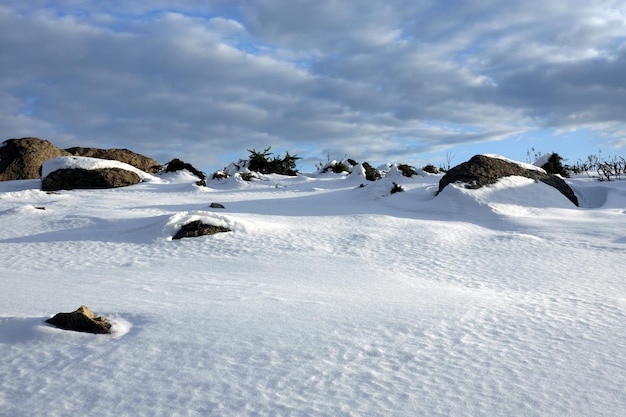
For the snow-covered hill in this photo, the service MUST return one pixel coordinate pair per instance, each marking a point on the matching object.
(326, 299)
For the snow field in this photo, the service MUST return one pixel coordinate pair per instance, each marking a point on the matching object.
(325, 299)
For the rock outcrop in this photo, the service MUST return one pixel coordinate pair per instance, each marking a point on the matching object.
(483, 170)
(81, 320)
(126, 156)
(21, 159)
(178, 165)
(197, 228)
(70, 179)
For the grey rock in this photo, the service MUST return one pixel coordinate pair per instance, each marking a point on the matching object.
(197, 228)
(483, 170)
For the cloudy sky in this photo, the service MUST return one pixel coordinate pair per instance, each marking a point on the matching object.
(384, 81)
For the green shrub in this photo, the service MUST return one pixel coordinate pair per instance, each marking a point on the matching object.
(407, 170)
(219, 175)
(371, 174)
(334, 166)
(431, 169)
(340, 167)
(396, 188)
(248, 176)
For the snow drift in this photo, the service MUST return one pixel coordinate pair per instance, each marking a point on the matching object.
(327, 299)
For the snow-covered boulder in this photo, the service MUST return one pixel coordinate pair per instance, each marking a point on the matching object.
(73, 172)
(178, 165)
(123, 155)
(483, 170)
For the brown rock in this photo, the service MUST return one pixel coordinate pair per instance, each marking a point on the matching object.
(81, 320)
(483, 170)
(123, 155)
(21, 159)
(70, 179)
(178, 165)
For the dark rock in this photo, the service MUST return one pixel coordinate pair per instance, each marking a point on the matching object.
(197, 228)
(70, 179)
(178, 165)
(396, 188)
(81, 320)
(122, 155)
(21, 159)
(217, 205)
(483, 170)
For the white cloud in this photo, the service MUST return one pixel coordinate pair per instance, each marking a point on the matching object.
(325, 76)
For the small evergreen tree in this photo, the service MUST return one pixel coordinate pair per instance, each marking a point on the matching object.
(260, 162)
(554, 166)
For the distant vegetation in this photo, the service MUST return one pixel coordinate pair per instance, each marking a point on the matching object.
(260, 162)
(595, 166)
(265, 162)
(605, 169)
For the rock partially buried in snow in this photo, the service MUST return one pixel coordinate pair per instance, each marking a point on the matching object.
(122, 155)
(177, 165)
(71, 179)
(81, 320)
(197, 228)
(75, 172)
(483, 170)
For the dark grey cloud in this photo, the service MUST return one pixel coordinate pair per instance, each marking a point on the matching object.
(387, 80)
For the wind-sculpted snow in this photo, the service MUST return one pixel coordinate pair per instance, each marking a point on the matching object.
(327, 299)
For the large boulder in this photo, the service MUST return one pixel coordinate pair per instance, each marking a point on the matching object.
(79, 178)
(71, 172)
(123, 155)
(81, 320)
(21, 159)
(483, 170)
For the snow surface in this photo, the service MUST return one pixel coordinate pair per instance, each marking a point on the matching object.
(83, 162)
(326, 299)
(543, 159)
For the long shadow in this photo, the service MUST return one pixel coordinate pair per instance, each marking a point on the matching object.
(14, 330)
(131, 230)
(23, 330)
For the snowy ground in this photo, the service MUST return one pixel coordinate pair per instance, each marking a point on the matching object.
(326, 299)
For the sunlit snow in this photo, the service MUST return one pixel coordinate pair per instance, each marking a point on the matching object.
(325, 299)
